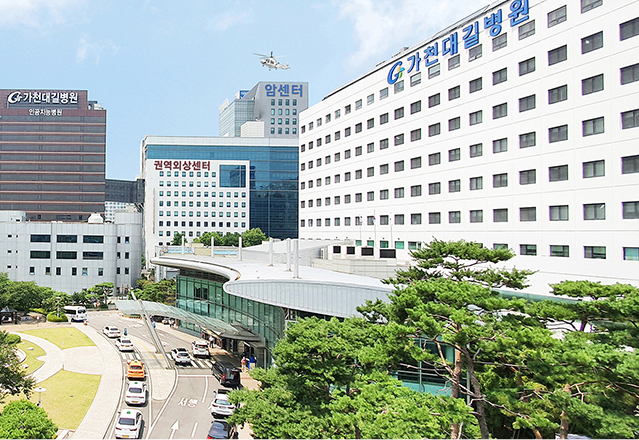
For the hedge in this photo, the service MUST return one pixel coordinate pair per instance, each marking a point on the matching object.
(52, 317)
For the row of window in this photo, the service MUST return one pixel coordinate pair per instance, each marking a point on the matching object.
(71, 255)
(284, 102)
(60, 238)
(206, 204)
(199, 214)
(286, 121)
(74, 271)
(590, 169)
(198, 233)
(285, 112)
(589, 43)
(591, 211)
(191, 174)
(198, 194)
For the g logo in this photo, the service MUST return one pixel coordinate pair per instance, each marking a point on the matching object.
(395, 72)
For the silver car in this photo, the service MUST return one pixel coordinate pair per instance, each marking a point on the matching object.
(181, 356)
(220, 406)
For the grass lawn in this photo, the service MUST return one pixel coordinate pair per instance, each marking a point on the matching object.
(67, 398)
(63, 337)
(31, 360)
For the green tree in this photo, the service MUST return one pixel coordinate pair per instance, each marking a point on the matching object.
(162, 292)
(12, 376)
(253, 237)
(50, 301)
(177, 239)
(23, 419)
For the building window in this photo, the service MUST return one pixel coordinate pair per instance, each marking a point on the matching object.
(630, 164)
(454, 216)
(557, 16)
(358, 175)
(399, 219)
(596, 168)
(358, 105)
(587, 5)
(557, 55)
(415, 219)
(453, 62)
(416, 107)
(528, 177)
(475, 85)
(383, 94)
(454, 154)
(416, 135)
(474, 53)
(558, 94)
(595, 252)
(416, 162)
(399, 139)
(629, 29)
(370, 172)
(630, 210)
(500, 180)
(500, 42)
(399, 113)
(477, 216)
(476, 118)
(433, 100)
(434, 159)
(434, 218)
(559, 251)
(383, 169)
(527, 66)
(596, 83)
(434, 188)
(399, 193)
(399, 86)
(454, 93)
(347, 132)
(558, 173)
(592, 42)
(454, 124)
(358, 128)
(558, 134)
(399, 166)
(527, 103)
(527, 29)
(476, 183)
(358, 151)
(434, 71)
(383, 194)
(500, 111)
(594, 211)
(559, 213)
(630, 119)
(629, 74)
(383, 220)
(454, 186)
(528, 214)
(370, 148)
(383, 144)
(593, 126)
(415, 79)
(500, 145)
(476, 150)
(434, 130)
(500, 215)
(528, 249)
(631, 254)
(500, 76)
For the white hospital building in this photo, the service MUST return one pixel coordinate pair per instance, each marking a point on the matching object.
(516, 127)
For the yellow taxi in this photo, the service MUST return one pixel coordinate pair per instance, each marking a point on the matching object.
(135, 370)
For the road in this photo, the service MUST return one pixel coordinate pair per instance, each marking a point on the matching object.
(180, 412)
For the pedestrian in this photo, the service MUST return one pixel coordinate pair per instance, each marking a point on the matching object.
(252, 362)
(211, 341)
(244, 364)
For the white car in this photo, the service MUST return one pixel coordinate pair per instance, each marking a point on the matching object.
(128, 424)
(181, 356)
(135, 393)
(200, 348)
(220, 406)
(111, 332)
(124, 344)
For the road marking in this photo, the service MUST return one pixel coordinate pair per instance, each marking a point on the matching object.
(206, 389)
(208, 364)
(194, 428)
(174, 428)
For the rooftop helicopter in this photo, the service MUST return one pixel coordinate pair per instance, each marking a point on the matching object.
(271, 62)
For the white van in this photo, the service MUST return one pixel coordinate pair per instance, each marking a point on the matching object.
(200, 348)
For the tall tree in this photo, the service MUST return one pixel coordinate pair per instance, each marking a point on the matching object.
(12, 376)
(23, 419)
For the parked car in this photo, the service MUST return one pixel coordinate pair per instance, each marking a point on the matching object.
(228, 375)
(220, 406)
(135, 393)
(129, 424)
(124, 344)
(221, 429)
(181, 356)
(200, 348)
(111, 332)
(135, 370)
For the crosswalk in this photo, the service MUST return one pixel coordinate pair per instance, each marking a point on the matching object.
(195, 363)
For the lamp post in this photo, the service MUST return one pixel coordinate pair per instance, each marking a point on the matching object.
(40, 390)
(57, 300)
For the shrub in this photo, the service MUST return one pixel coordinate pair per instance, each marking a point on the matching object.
(52, 317)
(12, 339)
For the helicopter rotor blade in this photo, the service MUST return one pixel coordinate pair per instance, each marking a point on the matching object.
(261, 55)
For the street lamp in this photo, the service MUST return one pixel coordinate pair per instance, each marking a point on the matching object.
(40, 390)
(58, 304)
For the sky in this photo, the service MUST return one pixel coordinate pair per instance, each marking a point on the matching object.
(163, 67)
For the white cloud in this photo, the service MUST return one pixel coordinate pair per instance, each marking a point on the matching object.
(34, 13)
(226, 20)
(383, 26)
(88, 49)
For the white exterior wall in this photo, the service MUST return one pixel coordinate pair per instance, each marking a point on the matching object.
(121, 250)
(614, 232)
